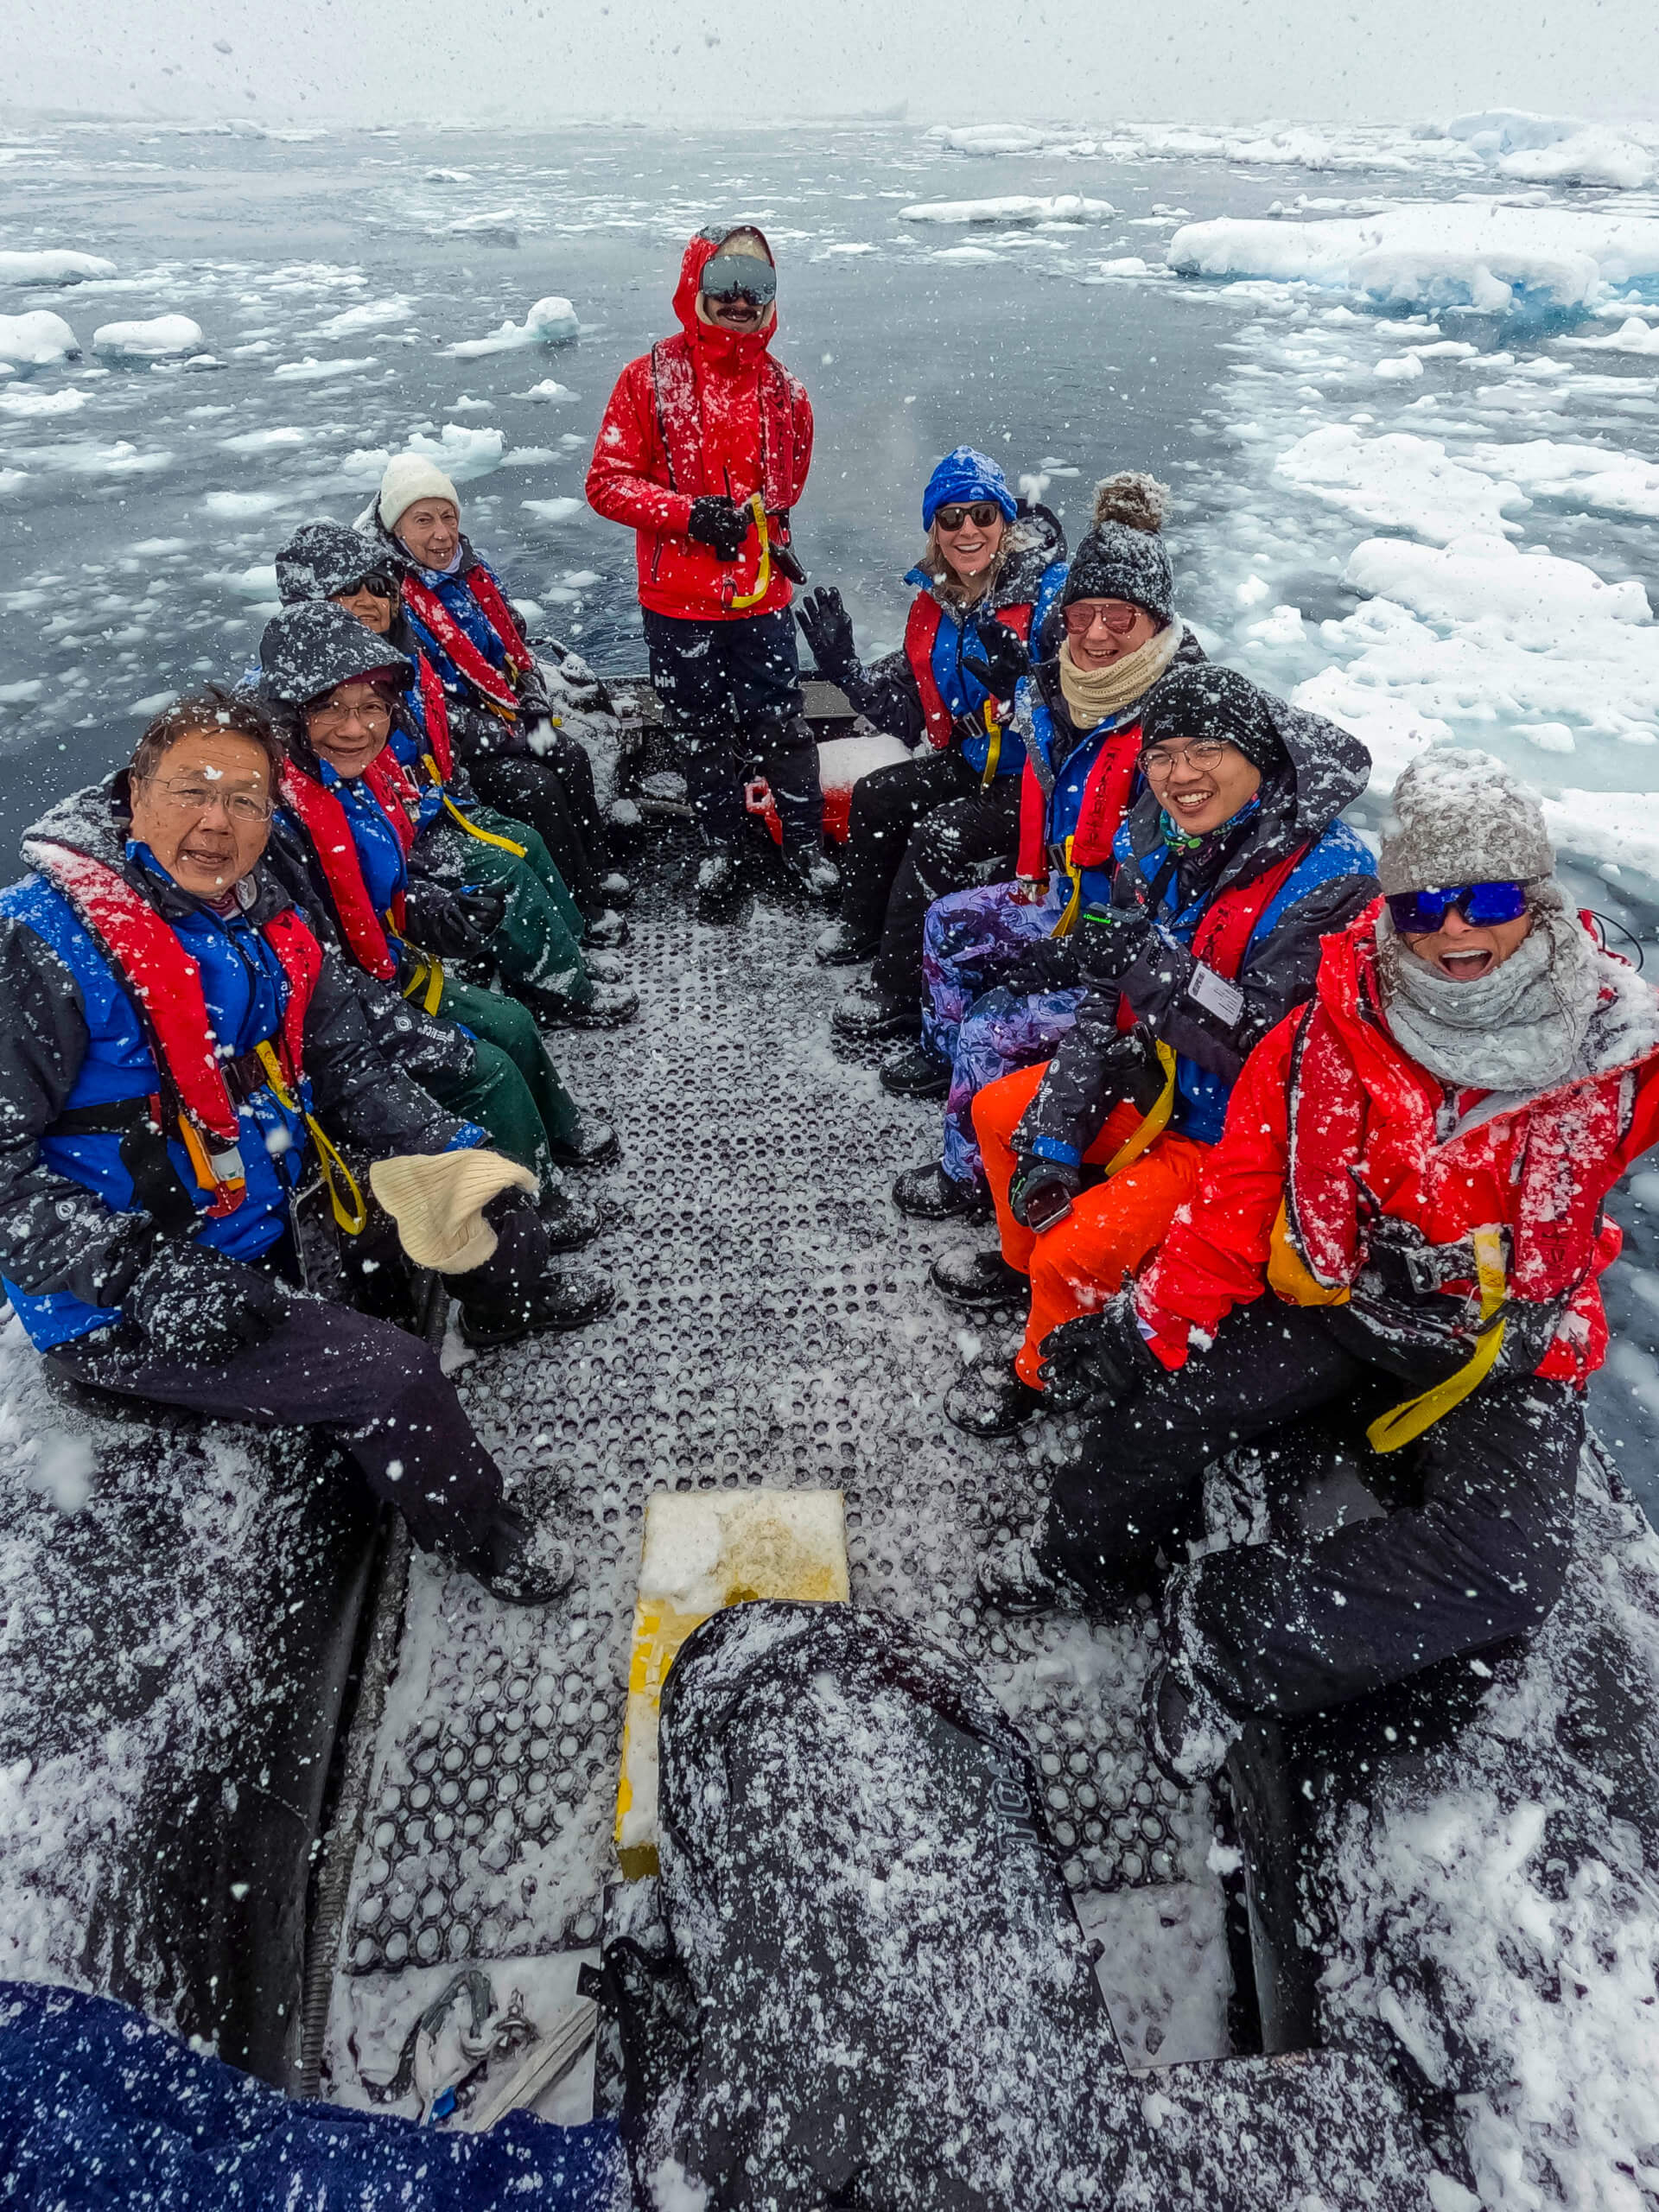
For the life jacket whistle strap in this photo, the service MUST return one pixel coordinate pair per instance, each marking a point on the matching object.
(1405, 1423)
(484, 836)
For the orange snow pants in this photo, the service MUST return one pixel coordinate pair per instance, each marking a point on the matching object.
(1079, 1263)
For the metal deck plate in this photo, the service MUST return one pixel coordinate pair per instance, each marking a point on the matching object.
(774, 1325)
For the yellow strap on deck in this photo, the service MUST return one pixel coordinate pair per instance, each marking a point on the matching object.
(352, 1218)
(484, 836)
(1403, 1424)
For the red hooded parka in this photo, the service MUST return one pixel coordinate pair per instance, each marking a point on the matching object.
(705, 412)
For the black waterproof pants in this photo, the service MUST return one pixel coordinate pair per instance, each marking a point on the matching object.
(1287, 1628)
(950, 845)
(377, 1393)
(731, 694)
(554, 798)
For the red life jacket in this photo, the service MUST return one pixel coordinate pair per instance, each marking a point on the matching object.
(323, 819)
(434, 712)
(396, 793)
(1227, 924)
(679, 423)
(921, 631)
(496, 685)
(1105, 800)
(164, 983)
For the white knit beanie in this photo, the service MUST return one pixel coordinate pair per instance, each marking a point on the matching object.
(1460, 815)
(409, 477)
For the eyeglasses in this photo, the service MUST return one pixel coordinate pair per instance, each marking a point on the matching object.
(376, 715)
(202, 798)
(1198, 753)
(982, 513)
(1419, 914)
(1117, 615)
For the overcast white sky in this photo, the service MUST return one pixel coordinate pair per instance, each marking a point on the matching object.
(1241, 61)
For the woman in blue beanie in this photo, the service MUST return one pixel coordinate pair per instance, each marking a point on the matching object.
(938, 822)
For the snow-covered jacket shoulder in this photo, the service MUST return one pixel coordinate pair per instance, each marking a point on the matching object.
(1336, 1126)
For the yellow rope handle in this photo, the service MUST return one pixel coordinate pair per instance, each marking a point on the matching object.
(763, 580)
(1068, 920)
(484, 836)
(352, 1218)
(1155, 1122)
(1403, 1424)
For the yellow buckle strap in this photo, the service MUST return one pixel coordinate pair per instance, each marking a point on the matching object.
(1154, 1123)
(352, 1218)
(763, 580)
(427, 979)
(1403, 1424)
(994, 750)
(484, 836)
(1068, 920)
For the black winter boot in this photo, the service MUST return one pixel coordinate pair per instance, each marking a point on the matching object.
(612, 1006)
(720, 887)
(570, 1222)
(606, 931)
(517, 1564)
(927, 1193)
(814, 874)
(915, 1072)
(558, 1300)
(841, 946)
(990, 1400)
(866, 1017)
(592, 1144)
(969, 1277)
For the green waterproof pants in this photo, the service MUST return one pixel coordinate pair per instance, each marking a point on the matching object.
(539, 940)
(514, 1089)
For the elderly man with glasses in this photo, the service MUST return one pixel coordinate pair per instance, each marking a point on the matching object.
(179, 1058)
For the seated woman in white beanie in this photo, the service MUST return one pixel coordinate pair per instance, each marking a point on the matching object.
(520, 761)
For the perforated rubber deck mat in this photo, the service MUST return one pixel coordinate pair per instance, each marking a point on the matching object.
(774, 1325)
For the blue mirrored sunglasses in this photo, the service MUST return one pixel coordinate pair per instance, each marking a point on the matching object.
(1419, 913)
(729, 274)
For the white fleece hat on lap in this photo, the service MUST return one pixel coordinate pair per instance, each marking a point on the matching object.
(409, 477)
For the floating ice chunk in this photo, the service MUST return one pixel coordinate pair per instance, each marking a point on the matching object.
(30, 400)
(1632, 336)
(991, 138)
(1399, 368)
(1536, 598)
(1017, 207)
(148, 340)
(372, 314)
(551, 321)
(554, 509)
(1595, 157)
(244, 506)
(1548, 737)
(36, 340)
(495, 226)
(1596, 477)
(1470, 254)
(462, 453)
(966, 253)
(1400, 482)
(279, 438)
(54, 265)
(311, 371)
(257, 584)
(447, 176)
(1125, 264)
(1495, 130)
(83, 457)
(10, 479)
(549, 388)
(849, 245)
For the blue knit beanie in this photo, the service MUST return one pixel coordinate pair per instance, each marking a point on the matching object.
(964, 475)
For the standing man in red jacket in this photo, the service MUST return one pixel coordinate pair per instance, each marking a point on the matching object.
(703, 450)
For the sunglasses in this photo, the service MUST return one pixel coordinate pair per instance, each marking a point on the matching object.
(379, 585)
(983, 512)
(1117, 615)
(1419, 914)
(739, 275)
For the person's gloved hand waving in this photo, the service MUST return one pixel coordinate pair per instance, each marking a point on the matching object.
(1043, 1181)
(456, 924)
(193, 1305)
(1002, 663)
(1098, 1359)
(720, 522)
(828, 628)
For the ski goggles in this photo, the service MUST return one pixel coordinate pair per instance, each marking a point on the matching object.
(981, 512)
(1419, 914)
(739, 275)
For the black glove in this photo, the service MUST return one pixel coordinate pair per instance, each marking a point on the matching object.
(720, 522)
(1033, 1174)
(193, 1305)
(1049, 965)
(1111, 940)
(828, 629)
(1002, 663)
(1098, 1360)
(453, 924)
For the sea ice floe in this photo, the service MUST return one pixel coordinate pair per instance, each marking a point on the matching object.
(36, 340)
(1401, 482)
(54, 265)
(152, 338)
(551, 321)
(1014, 207)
